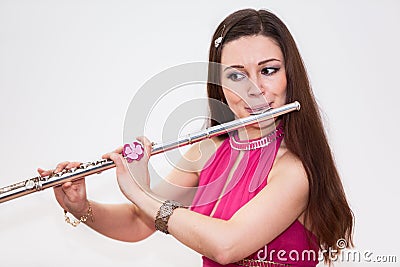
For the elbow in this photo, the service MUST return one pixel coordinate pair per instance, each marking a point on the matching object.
(225, 255)
(227, 247)
(222, 259)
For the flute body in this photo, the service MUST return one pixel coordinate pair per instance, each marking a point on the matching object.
(85, 169)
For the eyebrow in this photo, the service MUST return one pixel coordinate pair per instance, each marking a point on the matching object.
(259, 64)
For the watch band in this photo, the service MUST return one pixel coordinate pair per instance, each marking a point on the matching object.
(163, 214)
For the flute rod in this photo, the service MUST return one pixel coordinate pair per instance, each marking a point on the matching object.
(85, 169)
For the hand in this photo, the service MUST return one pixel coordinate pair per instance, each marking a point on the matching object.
(71, 195)
(135, 179)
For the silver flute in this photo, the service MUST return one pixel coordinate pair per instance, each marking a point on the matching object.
(85, 169)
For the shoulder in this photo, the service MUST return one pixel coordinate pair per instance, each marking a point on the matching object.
(289, 169)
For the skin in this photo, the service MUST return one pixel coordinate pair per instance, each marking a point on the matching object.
(253, 75)
(219, 240)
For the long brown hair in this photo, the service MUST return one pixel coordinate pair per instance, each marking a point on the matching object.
(328, 213)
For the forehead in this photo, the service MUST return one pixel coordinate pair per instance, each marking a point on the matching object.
(250, 50)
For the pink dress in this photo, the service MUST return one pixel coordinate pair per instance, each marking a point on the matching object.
(291, 247)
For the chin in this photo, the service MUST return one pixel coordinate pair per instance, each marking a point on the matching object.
(266, 124)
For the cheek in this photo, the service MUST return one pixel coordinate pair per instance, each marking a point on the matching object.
(283, 88)
(283, 91)
(278, 86)
(283, 84)
(230, 96)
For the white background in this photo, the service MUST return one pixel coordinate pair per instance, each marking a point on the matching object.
(68, 70)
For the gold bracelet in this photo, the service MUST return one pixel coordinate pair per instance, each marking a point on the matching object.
(74, 222)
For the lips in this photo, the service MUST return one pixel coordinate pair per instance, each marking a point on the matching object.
(258, 109)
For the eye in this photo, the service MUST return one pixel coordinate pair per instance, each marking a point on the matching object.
(236, 76)
(269, 70)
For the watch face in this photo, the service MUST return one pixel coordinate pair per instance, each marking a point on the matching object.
(166, 210)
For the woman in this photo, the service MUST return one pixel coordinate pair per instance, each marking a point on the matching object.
(274, 205)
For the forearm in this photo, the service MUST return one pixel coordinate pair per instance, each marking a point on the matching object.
(211, 237)
(124, 222)
(208, 236)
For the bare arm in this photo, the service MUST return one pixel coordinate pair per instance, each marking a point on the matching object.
(124, 222)
(267, 215)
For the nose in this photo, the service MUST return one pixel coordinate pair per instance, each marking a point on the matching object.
(255, 88)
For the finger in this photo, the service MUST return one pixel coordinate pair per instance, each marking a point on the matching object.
(61, 166)
(73, 192)
(43, 172)
(147, 144)
(117, 150)
(117, 158)
(79, 181)
(106, 156)
(71, 165)
(66, 186)
(119, 162)
(59, 193)
(58, 190)
(73, 186)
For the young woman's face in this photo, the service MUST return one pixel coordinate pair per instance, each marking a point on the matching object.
(253, 75)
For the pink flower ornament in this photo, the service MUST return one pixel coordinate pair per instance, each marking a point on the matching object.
(133, 151)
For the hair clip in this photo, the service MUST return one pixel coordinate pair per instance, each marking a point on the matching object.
(133, 151)
(218, 41)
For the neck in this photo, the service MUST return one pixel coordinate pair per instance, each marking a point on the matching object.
(263, 129)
